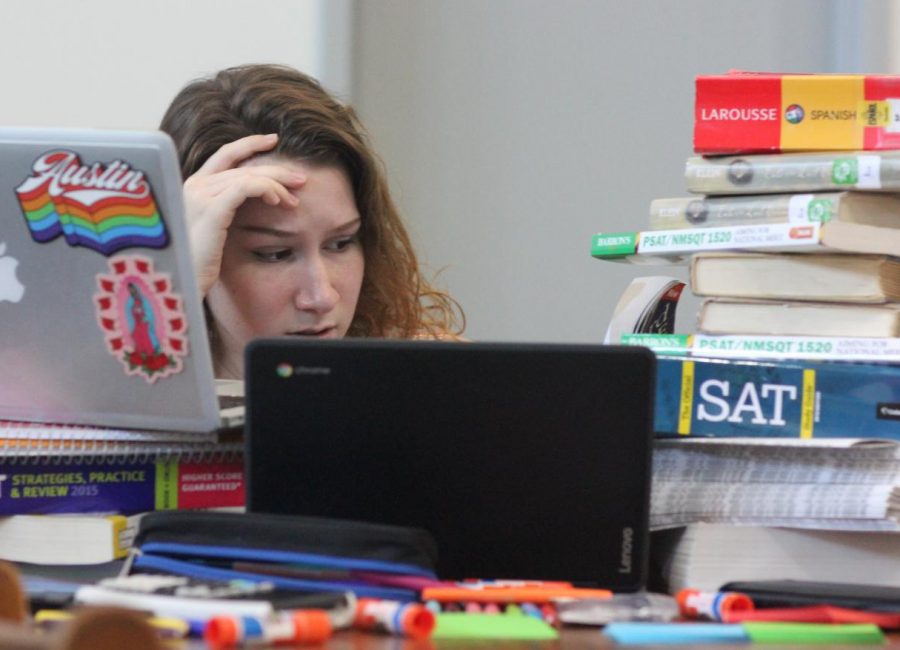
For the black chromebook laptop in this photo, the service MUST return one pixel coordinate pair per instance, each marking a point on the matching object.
(525, 461)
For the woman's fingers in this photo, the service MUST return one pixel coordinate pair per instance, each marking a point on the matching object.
(231, 154)
(279, 173)
(232, 195)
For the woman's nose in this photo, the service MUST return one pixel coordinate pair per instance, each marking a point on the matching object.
(315, 292)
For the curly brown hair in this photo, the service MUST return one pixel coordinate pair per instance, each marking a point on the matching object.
(312, 126)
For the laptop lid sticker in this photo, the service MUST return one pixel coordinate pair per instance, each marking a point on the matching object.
(141, 317)
(106, 208)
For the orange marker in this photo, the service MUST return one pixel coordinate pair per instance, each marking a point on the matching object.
(408, 619)
(510, 594)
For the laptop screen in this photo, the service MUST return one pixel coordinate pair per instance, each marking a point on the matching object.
(525, 461)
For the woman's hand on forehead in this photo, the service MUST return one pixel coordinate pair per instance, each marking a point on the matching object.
(214, 193)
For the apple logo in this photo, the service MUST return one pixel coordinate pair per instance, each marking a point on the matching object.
(10, 287)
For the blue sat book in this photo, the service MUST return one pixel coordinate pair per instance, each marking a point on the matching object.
(719, 397)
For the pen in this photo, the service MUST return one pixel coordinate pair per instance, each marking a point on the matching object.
(818, 614)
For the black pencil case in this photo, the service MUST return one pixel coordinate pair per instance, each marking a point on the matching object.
(292, 552)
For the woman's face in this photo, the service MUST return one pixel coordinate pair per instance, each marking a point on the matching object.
(289, 270)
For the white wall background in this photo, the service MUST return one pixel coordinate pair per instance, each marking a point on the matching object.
(118, 63)
(515, 129)
(512, 129)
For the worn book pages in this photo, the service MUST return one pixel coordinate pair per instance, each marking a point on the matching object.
(834, 484)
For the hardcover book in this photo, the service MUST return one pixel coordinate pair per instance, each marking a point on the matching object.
(870, 209)
(794, 172)
(792, 276)
(721, 397)
(798, 318)
(757, 112)
(705, 556)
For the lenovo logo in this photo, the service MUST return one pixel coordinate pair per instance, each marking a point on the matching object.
(625, 556)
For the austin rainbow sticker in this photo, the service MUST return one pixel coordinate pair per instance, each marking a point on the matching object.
(102, 207)
(142, 319)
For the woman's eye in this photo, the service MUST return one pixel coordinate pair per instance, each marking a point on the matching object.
(343, 243)
(273, 256)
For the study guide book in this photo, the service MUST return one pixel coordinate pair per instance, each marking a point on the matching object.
(778, 348)
(677, 245)
(705, 556)
(869, 209)
(795, 276)
(727, 397)
(66, 539)
(798, 318)
(741, 112)
(125, 482)
(872, 171)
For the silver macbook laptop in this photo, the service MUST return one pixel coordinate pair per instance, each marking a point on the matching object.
(102, 321)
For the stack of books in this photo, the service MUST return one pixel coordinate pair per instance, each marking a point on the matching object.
(779, 418)
(792, 249)
(72, 494)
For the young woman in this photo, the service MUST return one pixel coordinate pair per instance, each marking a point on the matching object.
(292, 226)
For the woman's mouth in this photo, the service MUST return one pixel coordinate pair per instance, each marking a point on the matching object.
(316, 332)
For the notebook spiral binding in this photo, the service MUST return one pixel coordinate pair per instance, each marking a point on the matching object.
(34, 444)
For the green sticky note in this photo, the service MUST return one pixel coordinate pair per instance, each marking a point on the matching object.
(463, 625)
(813, 633)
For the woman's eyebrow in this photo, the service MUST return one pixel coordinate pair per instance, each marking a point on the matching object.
(279, 232)
(353, 223)
(266, 230)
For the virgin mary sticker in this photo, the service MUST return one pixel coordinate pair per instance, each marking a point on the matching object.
(141, 317)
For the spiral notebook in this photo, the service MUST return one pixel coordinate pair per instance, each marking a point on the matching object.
(102, 319)
(80, 474)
